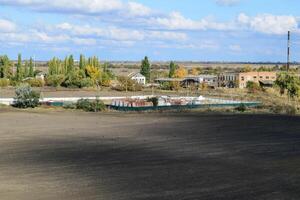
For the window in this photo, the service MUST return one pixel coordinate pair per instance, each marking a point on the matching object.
(255, 77)
(243, 78)
(267, 77)
(261, 77)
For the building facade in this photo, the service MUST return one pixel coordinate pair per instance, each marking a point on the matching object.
(138, 77)
(209, 80)
(256, 77)
(228, 79)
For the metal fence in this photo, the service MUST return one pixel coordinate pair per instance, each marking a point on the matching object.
(183, 107)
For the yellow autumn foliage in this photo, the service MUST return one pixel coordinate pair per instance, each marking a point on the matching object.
(93, 72)
(181, 72)
(194, 71)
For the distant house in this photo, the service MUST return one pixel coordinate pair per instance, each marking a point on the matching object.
(40, 75)
(138, 77)
(228, 79)
(266, 79)
(209, 80)
(168, 80)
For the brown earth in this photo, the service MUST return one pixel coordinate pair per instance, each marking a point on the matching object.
(75, 155)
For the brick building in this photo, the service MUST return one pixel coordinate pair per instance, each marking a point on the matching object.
(262, 78)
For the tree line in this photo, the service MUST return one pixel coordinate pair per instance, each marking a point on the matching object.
(22, 70)
(88, 72)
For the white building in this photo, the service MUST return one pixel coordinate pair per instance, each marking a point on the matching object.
(210, 80)
(228, 79)
(138, 77)
(40, 76)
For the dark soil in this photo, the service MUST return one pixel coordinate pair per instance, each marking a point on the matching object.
(148, 156)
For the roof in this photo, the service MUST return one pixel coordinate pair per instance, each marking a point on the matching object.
(169, 79)
(254, 73)
(136, 74)
(267, 82)
(202, 76)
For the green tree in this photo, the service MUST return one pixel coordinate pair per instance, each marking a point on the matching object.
(293, 86)
(5, 67)
(31, 70)
(70, 66)
(54, 66)
(19, 70)
(281, 82)
(172, 69)
(289, 83)
(145, 68)
(253, 87)
(82, 62)
(26, 69)
(94, 61)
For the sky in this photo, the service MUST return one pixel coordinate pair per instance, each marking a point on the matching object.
(163, 30)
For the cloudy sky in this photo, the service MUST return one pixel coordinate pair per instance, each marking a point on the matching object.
(206, 30)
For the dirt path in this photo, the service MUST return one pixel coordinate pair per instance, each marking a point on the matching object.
(61, 155)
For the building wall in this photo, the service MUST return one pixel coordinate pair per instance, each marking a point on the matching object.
(227, 79)
(140, 80)
(255, 77)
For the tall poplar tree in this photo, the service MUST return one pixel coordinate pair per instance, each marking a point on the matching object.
(31, 70)
(19, 68)
(5, 67)
(145, 68)
(172, 69)
(70, 64)
(82, 62)
(26, 69)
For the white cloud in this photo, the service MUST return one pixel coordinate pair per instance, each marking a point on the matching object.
(46, 38)
(177, 21)
(68, 5)
(84, 7)
(269, 24)
(136, 9)
(227, 2)
(119, 34)
(111, 32)
(15, 37)
(166, 35)
(7, 26)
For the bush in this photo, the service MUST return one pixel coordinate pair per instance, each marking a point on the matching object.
(26, 97)
(165, 86)
(154, 100)
(105, 80)
(69, 106)
(126, 83)
(90, 106)
(241, 108)
(86, 82)
(4, 82)
(55, 80)
(284, 109)
(73, 79)
(35, 82)
(253, 87)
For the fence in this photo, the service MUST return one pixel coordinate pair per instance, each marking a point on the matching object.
(183, 107)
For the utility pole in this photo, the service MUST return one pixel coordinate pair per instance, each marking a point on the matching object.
(288, 51)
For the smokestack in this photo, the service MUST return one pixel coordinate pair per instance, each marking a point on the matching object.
(288, 51)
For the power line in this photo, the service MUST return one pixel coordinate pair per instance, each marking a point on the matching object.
(288, 51)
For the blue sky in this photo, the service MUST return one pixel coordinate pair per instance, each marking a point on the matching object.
(206, 30)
